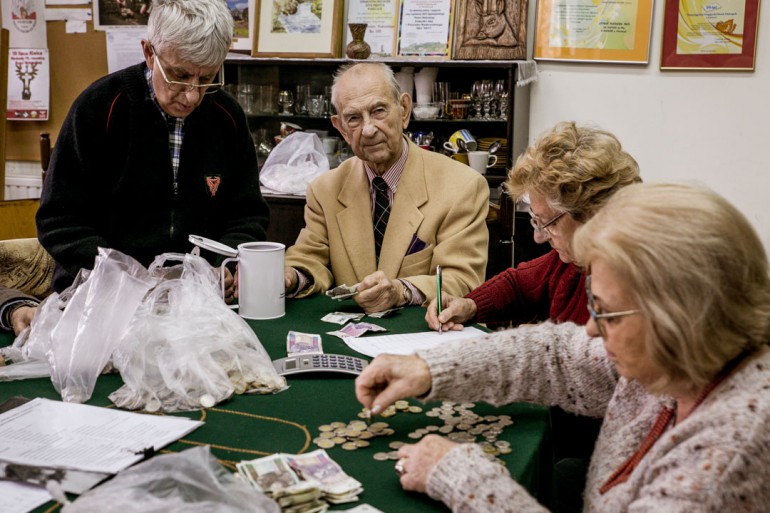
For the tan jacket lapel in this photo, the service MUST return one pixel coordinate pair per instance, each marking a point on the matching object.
(355, 223)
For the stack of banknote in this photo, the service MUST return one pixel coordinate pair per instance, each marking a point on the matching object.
(302, 483)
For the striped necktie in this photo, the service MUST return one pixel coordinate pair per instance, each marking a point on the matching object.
(381, 212)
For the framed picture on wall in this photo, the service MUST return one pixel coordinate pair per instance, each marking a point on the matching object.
(701, 34)
(121, 13)
(587, 30)
(289, 28)
(490, 29)
(243, 15)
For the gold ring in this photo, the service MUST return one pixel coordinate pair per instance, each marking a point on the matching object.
(400, 468)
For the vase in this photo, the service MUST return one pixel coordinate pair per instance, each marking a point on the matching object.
(358, 48)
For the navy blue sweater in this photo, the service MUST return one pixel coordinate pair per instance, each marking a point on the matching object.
(110, 180)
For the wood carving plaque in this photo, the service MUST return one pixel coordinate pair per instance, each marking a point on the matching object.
(490, 30)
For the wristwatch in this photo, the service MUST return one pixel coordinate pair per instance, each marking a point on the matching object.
(406, 293)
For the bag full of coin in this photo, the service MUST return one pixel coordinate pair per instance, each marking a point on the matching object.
(185, 349)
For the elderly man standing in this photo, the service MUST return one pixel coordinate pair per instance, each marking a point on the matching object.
(153, 153)
(385, 219)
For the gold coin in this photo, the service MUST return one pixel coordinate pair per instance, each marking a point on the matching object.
(337, 425)
(325, 443)
(361, 443)
(401, 405)
(505, 450)
(381, 456)
(349, 446)
(392, 455)
(378, 426)
(339, 440)
(387, 432)
(415, 409)
(366, 435)
(325, 427)
(326, 434)
(395, 445)
(352, 433)
(357, 425)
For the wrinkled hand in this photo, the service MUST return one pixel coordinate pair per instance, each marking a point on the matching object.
(391, 377)
(454, 312)
(419, 459)
(22, 317)
(377, 292)
(231, 285)
(289, 278)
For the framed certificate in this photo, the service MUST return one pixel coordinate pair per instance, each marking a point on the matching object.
(381, 20)
(700, 34)
(588, 30)
(425, 28)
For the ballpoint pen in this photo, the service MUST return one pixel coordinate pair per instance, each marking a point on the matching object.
(438, 294)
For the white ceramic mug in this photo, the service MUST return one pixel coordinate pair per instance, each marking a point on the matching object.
(481, 160)
(261, 291)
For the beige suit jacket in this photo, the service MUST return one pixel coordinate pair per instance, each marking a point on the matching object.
(442, 202)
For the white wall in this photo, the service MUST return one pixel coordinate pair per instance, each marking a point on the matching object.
(712, 128)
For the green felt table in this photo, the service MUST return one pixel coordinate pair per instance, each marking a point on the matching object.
(250, 426)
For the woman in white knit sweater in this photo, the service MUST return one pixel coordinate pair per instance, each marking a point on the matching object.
(675, 359)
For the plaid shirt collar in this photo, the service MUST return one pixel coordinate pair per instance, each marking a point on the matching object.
(175, 126)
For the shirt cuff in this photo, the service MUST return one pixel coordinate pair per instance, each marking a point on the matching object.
(302, 283)
(8, 308)
(418, 297)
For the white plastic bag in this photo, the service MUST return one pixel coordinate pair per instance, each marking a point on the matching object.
(294, 163)
(185, 349)
(93, 323)
(191, 481)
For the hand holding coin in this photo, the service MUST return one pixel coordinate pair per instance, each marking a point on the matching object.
(389, 378)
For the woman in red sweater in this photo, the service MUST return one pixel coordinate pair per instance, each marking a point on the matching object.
(569, 173)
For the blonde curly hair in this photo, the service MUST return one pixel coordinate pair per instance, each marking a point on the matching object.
(575, 168)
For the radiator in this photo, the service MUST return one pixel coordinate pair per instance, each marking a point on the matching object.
(22, 187)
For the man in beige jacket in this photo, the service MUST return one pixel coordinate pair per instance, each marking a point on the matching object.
(437, 215)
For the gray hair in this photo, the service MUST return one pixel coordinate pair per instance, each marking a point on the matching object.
(696, 269)
(365, 67)
(199, 30)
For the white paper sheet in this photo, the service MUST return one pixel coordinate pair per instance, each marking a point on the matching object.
(55, 434)
(124, 47)
(18, 497)
(408, 343)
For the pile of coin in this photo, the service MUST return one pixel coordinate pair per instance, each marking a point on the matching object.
(351, 436)
(460, 424)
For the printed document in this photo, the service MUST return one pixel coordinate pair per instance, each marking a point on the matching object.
(408, 343)
(48, 433)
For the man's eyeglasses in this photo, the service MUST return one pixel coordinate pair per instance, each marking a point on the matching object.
(186, 87)
(597, 315)
(542, 229)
